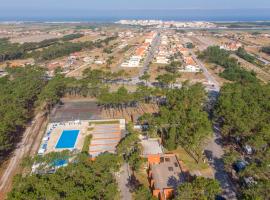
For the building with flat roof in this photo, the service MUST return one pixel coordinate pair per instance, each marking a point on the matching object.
(151, 146)
(162, 60)
(165, 174)
(191, 69)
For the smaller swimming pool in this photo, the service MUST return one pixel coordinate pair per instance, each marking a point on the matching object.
(60, 162)
(67, 139)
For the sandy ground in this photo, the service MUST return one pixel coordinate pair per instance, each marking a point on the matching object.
(258, 40)
(32, 38)
(202, 42)
(155, 70)
(87, 38)
(215, 71)
(129, 114)
(118, 57)
(192, 77)
(256, 51)
(78, 71)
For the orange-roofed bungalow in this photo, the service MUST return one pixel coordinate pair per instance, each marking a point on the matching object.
(190, 61)
(165, 174)
(140, 51)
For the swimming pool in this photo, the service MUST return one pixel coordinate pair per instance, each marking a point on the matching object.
(67, 139)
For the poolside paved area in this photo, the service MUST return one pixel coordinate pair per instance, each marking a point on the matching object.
(54, 132)
(106, 134)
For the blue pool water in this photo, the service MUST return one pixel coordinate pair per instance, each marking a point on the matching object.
(60, 162)
(68, 139)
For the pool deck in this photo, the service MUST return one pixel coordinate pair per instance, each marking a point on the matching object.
(105, 137)
(57, 131)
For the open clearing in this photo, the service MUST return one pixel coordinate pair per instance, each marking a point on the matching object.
(202, 169)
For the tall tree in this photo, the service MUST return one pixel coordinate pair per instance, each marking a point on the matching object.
(83, 179)
(199, 189)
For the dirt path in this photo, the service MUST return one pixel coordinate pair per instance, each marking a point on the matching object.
(78, 71)
(28, 144)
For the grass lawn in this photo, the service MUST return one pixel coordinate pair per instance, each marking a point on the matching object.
(191, 164)
(104, 122)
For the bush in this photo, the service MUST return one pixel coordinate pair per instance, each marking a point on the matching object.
(266, 49)
(86, 144)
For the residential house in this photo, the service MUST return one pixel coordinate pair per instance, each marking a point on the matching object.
(191, 69)
(165, 174)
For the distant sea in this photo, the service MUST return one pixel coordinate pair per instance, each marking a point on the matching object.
(220, 15)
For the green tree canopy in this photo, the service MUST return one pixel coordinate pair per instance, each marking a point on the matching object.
(83, 179)
(18, 94)
(233, 71)
(199, 189)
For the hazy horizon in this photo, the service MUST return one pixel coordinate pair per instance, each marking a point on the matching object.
(120, 9)
(28, 5)
(110, 15)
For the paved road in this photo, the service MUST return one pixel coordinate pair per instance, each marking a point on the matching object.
(215, 148)
(21, 150)
(122, 178)
(151, 53)
(210, 78)
(150, 56)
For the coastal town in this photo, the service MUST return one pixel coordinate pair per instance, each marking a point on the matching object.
(136, 109)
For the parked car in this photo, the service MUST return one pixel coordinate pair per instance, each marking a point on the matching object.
(209, 155)
(219, 197)
(248, 149)
(240, 165)
(248, 181)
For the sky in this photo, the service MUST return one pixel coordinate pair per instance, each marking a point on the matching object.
(28, 5)
(29, 9)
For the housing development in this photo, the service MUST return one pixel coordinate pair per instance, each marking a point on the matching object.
(134, 110)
